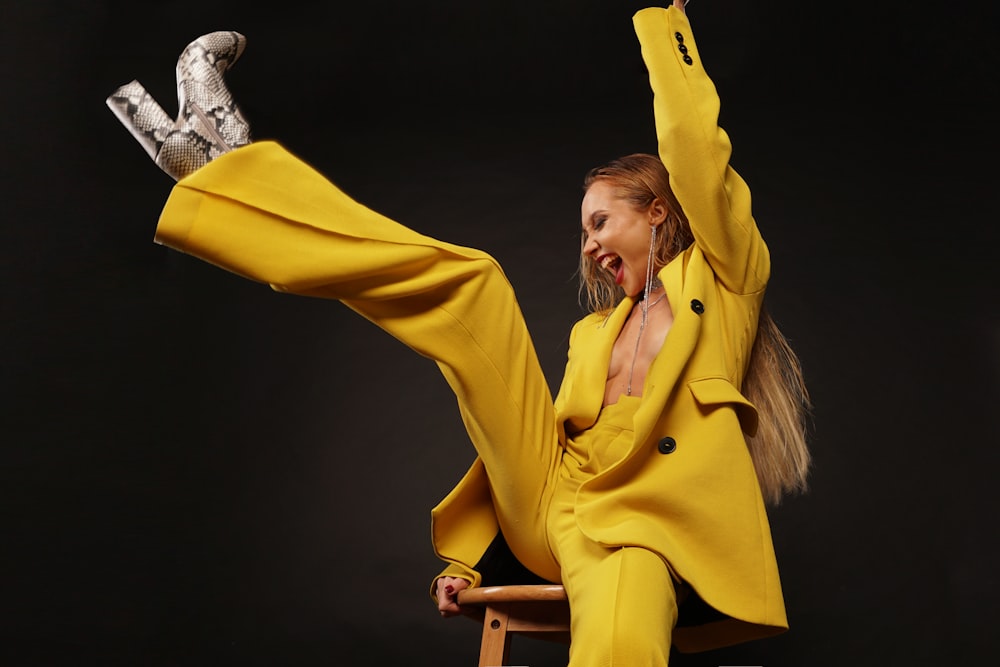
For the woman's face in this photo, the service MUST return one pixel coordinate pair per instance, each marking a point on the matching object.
(617, 235)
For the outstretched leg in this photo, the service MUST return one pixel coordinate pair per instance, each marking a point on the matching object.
(264, 214)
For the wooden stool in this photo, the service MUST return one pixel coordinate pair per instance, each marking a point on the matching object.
(540, 611)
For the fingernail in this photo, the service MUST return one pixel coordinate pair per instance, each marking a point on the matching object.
(449, 589)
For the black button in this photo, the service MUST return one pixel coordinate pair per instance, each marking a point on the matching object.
(682, 48)
(687, 59)
(679, 37)
(697, 306)
(667, 445)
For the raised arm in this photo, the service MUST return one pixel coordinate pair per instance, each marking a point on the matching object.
(696, 151)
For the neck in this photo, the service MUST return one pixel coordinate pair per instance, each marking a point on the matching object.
(655, 289)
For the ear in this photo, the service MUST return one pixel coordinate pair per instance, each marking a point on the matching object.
(657, 212)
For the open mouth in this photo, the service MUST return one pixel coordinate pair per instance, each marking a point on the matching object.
(613, 263)
(610, 263)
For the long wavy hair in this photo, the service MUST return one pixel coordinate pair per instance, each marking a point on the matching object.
(773, 382)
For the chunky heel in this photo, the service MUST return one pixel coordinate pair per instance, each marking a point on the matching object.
(209, 122)
(142, 116)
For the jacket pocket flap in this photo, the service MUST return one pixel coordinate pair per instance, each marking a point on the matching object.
(716, 391)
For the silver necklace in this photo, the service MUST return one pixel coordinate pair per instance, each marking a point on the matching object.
(642, 326)
(645, 304)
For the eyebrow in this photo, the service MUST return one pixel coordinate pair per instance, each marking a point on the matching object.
(593, 217)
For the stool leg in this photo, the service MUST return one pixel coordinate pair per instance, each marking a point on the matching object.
(495, 648)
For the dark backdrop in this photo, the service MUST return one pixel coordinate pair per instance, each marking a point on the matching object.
(199, 471)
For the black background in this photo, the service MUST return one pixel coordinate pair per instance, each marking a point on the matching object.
(199, 471)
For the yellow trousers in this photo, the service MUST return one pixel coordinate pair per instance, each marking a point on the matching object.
(622, 599)
(262, 213)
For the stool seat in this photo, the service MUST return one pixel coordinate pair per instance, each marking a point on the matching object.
(539, 610)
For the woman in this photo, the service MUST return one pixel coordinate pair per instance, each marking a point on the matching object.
(635, 488)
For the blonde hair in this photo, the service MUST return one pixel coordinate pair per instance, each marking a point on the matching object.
(773, 382)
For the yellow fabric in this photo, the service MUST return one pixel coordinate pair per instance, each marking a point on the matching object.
(622, 598)
(264, 214)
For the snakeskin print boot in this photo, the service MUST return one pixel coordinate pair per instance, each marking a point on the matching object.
(208, 124)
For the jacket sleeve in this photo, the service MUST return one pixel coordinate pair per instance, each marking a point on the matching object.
(696, 152)
(497, 567)
(457, 571)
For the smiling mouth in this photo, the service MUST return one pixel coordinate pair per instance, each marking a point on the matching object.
(610, 262)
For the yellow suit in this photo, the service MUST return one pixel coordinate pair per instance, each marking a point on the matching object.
(689, 473)
(686, 489)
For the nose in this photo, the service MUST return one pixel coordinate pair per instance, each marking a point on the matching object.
(590, 246)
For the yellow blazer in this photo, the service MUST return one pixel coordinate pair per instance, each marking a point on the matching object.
(687, 490)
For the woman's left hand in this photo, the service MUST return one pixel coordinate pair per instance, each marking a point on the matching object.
(447, 595)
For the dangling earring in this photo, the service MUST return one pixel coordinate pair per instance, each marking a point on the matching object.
(649, 266)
